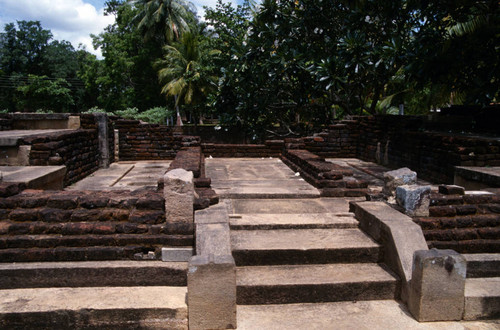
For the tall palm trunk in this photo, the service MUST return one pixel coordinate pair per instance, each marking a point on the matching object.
(179, 119)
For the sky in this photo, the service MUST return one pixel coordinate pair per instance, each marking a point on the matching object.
(71, 20)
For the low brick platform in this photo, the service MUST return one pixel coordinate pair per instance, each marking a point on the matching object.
(333, 180)
(468, 223)
(82, 225)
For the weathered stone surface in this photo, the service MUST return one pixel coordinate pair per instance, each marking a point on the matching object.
(176, 254)
(437, 285)
(414, 199)
(178, 191)
(313, 246)
(483, 265)
(482, 298)
(154, 307)
(400, 235)
(212, 292)
(88, 273)
(287, 284)
(393, 179)
(451, 189)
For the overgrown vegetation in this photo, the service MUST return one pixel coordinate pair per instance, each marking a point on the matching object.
(264, 67)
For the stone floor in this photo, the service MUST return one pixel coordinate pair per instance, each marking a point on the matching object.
(361, 315)
(256, 178)
(125, 175)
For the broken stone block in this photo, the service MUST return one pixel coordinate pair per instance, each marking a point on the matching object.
(446, 189)
(178, 189)
(396, 178)
(212, 292)
(437, 288)
(414, 199)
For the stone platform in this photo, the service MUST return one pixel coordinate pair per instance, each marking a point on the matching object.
(125, 175)
(475, 178)
(35, 177)
(256, 178)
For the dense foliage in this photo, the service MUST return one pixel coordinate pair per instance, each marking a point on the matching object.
(272, 66)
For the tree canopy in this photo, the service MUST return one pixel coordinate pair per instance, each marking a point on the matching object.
(276, 64)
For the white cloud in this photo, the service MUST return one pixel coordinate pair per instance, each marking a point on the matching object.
(71, 20)
(209, 3)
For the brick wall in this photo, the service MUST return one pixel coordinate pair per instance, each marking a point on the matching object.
(150, 141)
(399, 141)
(271, 148)
(81, 225)
(465, 223)
(78, 150)
(338, 141)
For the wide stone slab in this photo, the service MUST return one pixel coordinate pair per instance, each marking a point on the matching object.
(474, 177)
(124, 176)
(256, 178)
(482, 298)
(346, 315)
(290, 206)
(35, 177)
(296, 246)
(12, 137)
(117, 307)
(293, 221)
(483, 264)
(313, 283)
(92, 273)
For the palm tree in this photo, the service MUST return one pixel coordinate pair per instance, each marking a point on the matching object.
(164, 19)
(183, 73)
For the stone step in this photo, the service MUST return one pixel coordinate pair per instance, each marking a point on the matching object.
(292, 221)
(483, 265)
(313, 283)
(302, 246)
(92, 273)
(158, 307)
(482, 298)
(344, 315)
(91, 253)
(52, 241)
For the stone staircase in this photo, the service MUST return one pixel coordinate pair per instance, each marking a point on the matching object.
(307, 258)
(95, 294)
(482, 287)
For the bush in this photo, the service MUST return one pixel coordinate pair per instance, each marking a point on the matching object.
(98, 110)
(157, 115)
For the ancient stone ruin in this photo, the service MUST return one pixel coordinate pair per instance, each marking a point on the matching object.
(107, 222)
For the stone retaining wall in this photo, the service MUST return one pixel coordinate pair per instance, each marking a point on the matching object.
(84, 225)
(466, 223)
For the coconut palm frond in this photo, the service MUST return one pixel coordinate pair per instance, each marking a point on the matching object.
(468, 27)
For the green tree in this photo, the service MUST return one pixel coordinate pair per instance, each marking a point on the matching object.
(456, 47)
(22, 48)
(43, 93)
(26, 48)
(183, 73)
(123, 79)
(227, 30)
